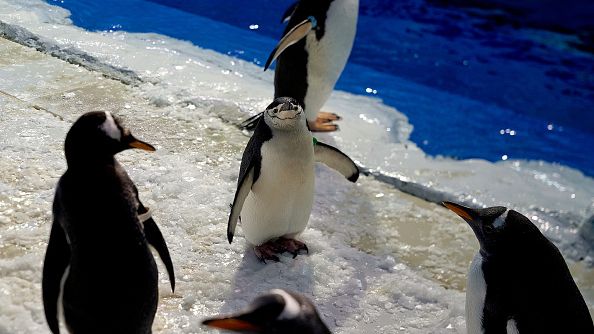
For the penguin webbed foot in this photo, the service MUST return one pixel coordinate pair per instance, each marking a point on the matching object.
(292, 246)
(266, 251)
(327, 117)
(321, 125)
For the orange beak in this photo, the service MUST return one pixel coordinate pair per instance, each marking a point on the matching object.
(459, 210)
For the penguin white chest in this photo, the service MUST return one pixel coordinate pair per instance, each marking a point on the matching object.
(476, 291)
(328, 56)
(280, 201)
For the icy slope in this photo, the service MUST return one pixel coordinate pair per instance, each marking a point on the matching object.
(189, 182)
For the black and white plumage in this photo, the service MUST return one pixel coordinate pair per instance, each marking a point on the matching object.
(99, 272)
(279, 311)
(275, 189)
(518, 282)
(312, 54)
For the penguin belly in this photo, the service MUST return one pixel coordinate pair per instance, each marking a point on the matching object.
(280, 201)
(476, 291)
(328, 56)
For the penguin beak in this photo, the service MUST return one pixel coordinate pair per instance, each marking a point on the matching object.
(232, 324)
(464, 212)
(131, 142)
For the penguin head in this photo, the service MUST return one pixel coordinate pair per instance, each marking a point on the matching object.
(97, 136)
(284, 113)
(492, 226)
(279, 311)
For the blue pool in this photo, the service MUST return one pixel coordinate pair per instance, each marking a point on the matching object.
(492, 82)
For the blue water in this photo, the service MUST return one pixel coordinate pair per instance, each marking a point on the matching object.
(474, 82)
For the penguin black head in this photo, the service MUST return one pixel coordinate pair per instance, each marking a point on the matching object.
(496, 228)
(276, 312)
(97, 136)
(284, 113)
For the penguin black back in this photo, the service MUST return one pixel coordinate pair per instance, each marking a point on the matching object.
(528, 283)
(98, 255)
(292, 63)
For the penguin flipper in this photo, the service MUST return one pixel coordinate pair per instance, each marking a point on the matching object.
(335, 159)
(57, 258)
(293, 36)
(289, 12)
(250, 123)
(155, 239)
(245, 185)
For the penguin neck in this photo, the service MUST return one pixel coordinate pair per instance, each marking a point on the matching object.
(89, 161)
(296, 134)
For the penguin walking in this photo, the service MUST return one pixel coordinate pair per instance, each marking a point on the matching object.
(518, 282)
(279, 311)
(99, 272)
(275, 189)
(312, 54)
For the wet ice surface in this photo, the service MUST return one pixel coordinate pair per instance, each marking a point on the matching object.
(380, 260)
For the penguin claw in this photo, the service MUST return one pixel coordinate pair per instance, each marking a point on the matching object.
(292, 246)
(266, 252)
(327, 117)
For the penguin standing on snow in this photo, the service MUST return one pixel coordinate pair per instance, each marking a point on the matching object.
(279, 311)
(98, 268)
(312, 54)
(275, 189)
(518, 282)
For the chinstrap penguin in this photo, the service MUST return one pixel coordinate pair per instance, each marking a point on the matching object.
(518, 282)
(279, 311)
(312, 54)
(275, 188)
(99, 272)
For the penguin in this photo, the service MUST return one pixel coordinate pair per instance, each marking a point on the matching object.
(312, 54)
(518, 282)
(275, 188)
(279, 311)
(98, 272)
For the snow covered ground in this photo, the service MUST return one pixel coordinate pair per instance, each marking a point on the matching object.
(380, 259)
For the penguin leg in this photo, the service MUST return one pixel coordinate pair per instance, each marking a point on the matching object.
(267, 251)
(321, 126)
(328, 116)
(291, 245)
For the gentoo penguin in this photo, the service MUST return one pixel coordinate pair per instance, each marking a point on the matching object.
(518, 282)
(99, 272)
(312, 54)
(275, 189)
(279, 311)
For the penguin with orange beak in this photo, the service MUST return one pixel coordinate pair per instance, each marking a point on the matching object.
(279, 311)
(518, 281)
(98, 268)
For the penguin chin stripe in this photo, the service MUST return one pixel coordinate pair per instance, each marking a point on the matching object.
(292, 307)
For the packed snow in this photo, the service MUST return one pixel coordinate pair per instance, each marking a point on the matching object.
(381, 260)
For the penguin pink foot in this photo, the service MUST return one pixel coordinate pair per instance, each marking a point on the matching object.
(267, 251)
(321, 125)
(290, 245)
(327, 117)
